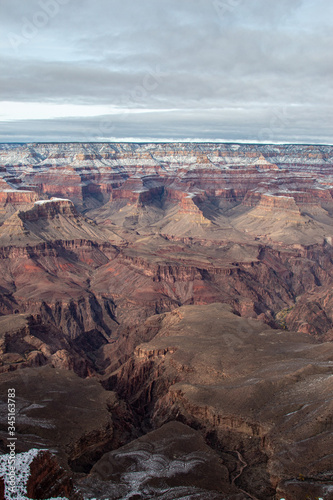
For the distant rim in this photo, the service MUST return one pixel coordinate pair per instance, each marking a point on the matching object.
(171, 141)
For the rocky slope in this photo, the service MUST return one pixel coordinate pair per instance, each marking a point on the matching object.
(102, 246)
(74, 418)
(170, 463)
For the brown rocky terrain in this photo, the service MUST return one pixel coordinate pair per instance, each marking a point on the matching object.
(168, 463)
(247, 387)
(195, 280)
(72, 417)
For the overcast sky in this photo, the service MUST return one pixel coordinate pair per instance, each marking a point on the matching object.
(229, 70)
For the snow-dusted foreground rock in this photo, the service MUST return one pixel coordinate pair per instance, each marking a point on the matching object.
(18, 489)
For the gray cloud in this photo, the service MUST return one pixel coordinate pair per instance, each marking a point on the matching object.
(228, 67)
(254, 124)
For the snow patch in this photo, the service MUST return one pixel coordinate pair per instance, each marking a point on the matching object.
(12, 191)
(22, 471)
(42, 202)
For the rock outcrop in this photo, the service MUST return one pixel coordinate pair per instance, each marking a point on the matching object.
(74, 418)
(48, 480)
(170, 463)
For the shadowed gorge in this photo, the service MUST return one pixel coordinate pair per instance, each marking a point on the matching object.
(183, 293)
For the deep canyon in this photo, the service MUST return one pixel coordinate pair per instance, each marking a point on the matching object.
(166, 318)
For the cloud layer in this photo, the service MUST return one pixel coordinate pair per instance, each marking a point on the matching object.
(253, 70)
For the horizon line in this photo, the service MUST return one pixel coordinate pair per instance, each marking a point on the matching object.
(170, 141)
